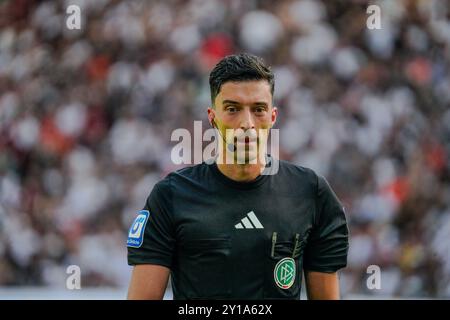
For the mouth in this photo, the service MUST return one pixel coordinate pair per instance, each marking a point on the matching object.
(246, 140)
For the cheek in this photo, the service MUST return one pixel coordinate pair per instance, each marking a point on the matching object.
(265, 122)
(228, 119)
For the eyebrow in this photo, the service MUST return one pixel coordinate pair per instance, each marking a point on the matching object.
(258, 103)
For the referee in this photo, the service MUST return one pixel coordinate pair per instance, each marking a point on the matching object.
(226, 230)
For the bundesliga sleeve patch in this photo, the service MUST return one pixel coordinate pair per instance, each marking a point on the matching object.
(136, 233)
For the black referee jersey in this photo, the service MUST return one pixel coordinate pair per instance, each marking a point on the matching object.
(224, 239)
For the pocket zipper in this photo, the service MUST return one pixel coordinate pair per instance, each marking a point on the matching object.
(297, 238)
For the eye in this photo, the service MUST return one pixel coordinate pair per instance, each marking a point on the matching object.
(231, 109)
(260, 109)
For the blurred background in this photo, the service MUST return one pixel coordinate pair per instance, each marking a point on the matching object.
(86, 117)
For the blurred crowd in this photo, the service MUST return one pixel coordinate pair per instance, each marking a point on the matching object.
(86, 118)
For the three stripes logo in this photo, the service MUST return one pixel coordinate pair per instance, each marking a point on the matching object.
(249, 222)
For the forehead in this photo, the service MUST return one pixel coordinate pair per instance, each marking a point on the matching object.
(245, 92)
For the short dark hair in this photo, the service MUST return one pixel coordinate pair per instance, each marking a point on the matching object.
(239, 67)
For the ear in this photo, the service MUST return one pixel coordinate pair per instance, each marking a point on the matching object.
(274, 115)
(211, 116)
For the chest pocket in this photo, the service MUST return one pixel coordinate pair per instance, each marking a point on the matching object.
(283, 267)
(204, 268)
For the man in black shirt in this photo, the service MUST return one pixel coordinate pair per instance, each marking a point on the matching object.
(239, 230)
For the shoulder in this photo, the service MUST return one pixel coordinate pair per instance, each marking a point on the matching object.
(191, 173)
(174, 178)
(306, 175)
(163, 191)
(303, 175)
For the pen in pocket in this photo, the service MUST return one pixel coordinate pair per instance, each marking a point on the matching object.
(274, 241)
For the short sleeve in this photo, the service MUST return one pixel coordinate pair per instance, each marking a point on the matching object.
(327, 247)
(158, 237)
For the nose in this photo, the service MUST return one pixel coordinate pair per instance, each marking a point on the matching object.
(247, 120)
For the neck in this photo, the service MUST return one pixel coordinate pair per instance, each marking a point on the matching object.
(241, 172)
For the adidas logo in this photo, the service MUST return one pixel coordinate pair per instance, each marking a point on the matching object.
(249, 222)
